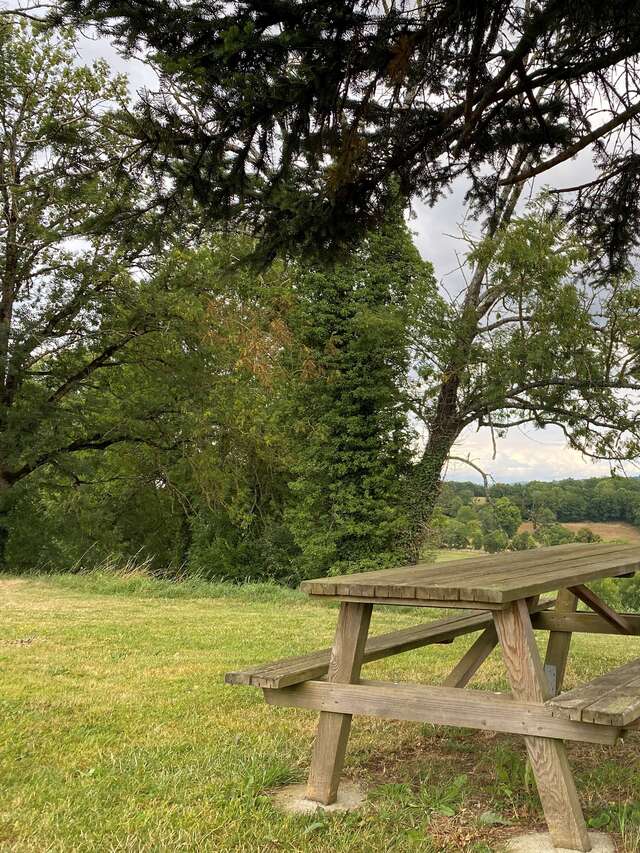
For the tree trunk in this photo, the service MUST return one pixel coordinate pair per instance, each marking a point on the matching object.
(5, 486)
(426, 476)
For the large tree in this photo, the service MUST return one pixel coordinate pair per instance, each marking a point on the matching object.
(293, 115)
(79, 238)
(349, 429)
(531, 338)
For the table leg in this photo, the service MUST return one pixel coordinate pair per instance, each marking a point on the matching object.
(548, 756)
(333, 729)
(555, 663)
(463, 672)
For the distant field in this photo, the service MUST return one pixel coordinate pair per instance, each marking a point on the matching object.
(608, 530)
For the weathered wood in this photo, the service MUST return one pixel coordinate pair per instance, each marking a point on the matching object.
(489, 582)
(582, 623)
(473, 567)
(548, 757)
(611, 699)
(555, 663)
(333, 729)
(466, 668)
(419, 703)
(294, 670)
(441, 604)
(283, 673)
(602, 608)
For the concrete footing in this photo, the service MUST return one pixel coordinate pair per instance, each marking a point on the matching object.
(538, 842)
(292, 799)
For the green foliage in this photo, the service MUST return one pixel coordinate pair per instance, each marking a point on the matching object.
(585, 534)
(80, 310)
(348, 412)
(332, 98)
(523, 541)
(507, 515)
(554, 534)
(495, 540)
(160, 401)
(613, 498)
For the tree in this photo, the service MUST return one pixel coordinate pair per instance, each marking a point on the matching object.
(507, 515)
(455, 534)
(79, 240)
(303, 120)
(293, 116)
(209, 497)
(554, 534)
(348, 421)
(531, 339)
(495, 540)
(543, 517)
(523, 541)
(585, 534)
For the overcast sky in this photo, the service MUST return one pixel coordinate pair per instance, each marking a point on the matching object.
(525, 453)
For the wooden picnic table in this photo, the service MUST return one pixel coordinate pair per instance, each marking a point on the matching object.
(500, 596)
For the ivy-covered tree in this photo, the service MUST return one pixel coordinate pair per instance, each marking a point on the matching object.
(352, 443)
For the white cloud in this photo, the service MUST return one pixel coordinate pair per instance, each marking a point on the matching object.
(523, 455)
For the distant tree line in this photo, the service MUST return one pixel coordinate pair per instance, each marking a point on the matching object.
(468, 516)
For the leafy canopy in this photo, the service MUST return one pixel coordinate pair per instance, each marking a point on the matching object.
(292, 116)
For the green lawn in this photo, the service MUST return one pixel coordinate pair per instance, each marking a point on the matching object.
(117, 733)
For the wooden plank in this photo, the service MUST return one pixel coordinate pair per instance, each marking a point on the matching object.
(283, 673)
(548, 757)
(440, 604)
(560, 577)
(622, 704)
(555, 663)
(573, 704)
(488, 584)
(294, 670)
(486, 581)
(463, 672)
(332, 734)
(600, 607)
(509, 564)
(455, 581)
(419, 703)
(582, 623)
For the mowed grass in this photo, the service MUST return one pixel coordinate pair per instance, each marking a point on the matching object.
(118, 734)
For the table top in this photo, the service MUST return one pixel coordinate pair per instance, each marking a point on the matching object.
(490, 582)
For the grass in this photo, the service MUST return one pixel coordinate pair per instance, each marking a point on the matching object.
(117, 733)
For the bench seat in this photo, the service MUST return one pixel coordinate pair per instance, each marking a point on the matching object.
(288, 671)
(612, 699)
(295, 670)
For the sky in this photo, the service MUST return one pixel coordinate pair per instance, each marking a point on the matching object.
(524, 453)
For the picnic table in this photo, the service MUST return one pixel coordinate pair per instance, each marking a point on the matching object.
(500, 597)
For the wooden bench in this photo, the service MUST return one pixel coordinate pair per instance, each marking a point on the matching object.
(611, 700)
(500, 595)
(288, 671)
(294, 670)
